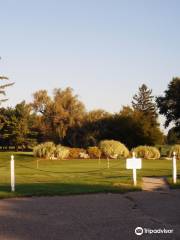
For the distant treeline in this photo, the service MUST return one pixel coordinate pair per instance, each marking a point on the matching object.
(63, 119)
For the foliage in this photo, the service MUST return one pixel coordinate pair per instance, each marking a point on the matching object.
(113, 149)
(94, 152)
(49, 150)
(17, 127)
(143, 102)
(84, 155)
(164, 149)
(74, 153)
(147, 152)
(3, 87)
(176, 149)
(61, 152)
(169, 104)
(45, 150)
(173, 137)
(57, 114)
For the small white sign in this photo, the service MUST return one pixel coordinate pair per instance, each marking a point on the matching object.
(132, 163)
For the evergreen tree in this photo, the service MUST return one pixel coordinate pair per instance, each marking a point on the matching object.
(143, 101)
(3, 87)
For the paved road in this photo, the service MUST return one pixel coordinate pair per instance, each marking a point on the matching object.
(91, 217)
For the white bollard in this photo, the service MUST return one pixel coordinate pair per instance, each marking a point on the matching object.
(174, 168)
(134, 171)
(12, 174)
(134, 176)
(108, 162)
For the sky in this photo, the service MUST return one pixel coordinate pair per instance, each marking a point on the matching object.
(103, 49)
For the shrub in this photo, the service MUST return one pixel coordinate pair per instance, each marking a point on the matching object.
(147, 152)
(45, 150)
(94, 152)
(113, 149)
(83, 155)
(37, 151)
(176, 149)
(48, 150)
(61, 152)
(74, 153)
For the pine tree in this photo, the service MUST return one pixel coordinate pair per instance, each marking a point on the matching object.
(3, 87)
(143, 101)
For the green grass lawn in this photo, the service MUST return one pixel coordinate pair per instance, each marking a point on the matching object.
(65, 177)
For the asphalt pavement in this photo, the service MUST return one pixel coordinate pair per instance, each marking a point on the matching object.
(92, 217)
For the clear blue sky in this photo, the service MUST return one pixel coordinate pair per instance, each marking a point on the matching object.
(103, 49)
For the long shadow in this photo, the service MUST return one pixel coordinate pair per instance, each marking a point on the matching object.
(58, 189)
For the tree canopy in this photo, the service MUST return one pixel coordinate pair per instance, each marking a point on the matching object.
(169, 104)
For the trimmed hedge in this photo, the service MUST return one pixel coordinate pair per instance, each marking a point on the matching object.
(176, 149)
(94, 152)
(113, 149)
(49, 150)
(74, 153)
(147, 152)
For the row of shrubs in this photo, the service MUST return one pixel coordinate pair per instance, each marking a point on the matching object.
(107, 148)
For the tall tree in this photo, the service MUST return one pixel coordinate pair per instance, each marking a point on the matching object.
(169, 104)
(145, 108)
(16, 128)
(143, 101)
(57, 114)
(3, 87)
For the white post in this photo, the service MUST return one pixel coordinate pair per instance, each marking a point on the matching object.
(134, 171)
(12, 174)
(174, 168)
(134, 176)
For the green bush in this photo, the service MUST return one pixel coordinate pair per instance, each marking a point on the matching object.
(147, 152)
(94, 152)
(61, 152)
(113, 149)
(176, 149)
(74, 153)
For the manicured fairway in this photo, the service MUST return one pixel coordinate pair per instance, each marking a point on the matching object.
(64, 177)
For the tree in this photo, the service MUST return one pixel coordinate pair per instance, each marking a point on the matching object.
(16, 127)
(143, 101)
(57, 114)
(3, 87)
(169, 104)
(144, 106)
(173, 137)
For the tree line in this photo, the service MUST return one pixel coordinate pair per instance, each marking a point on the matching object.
(63, 119)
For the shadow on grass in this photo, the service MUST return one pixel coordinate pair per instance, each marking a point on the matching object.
(30, 155)
(60, 189)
